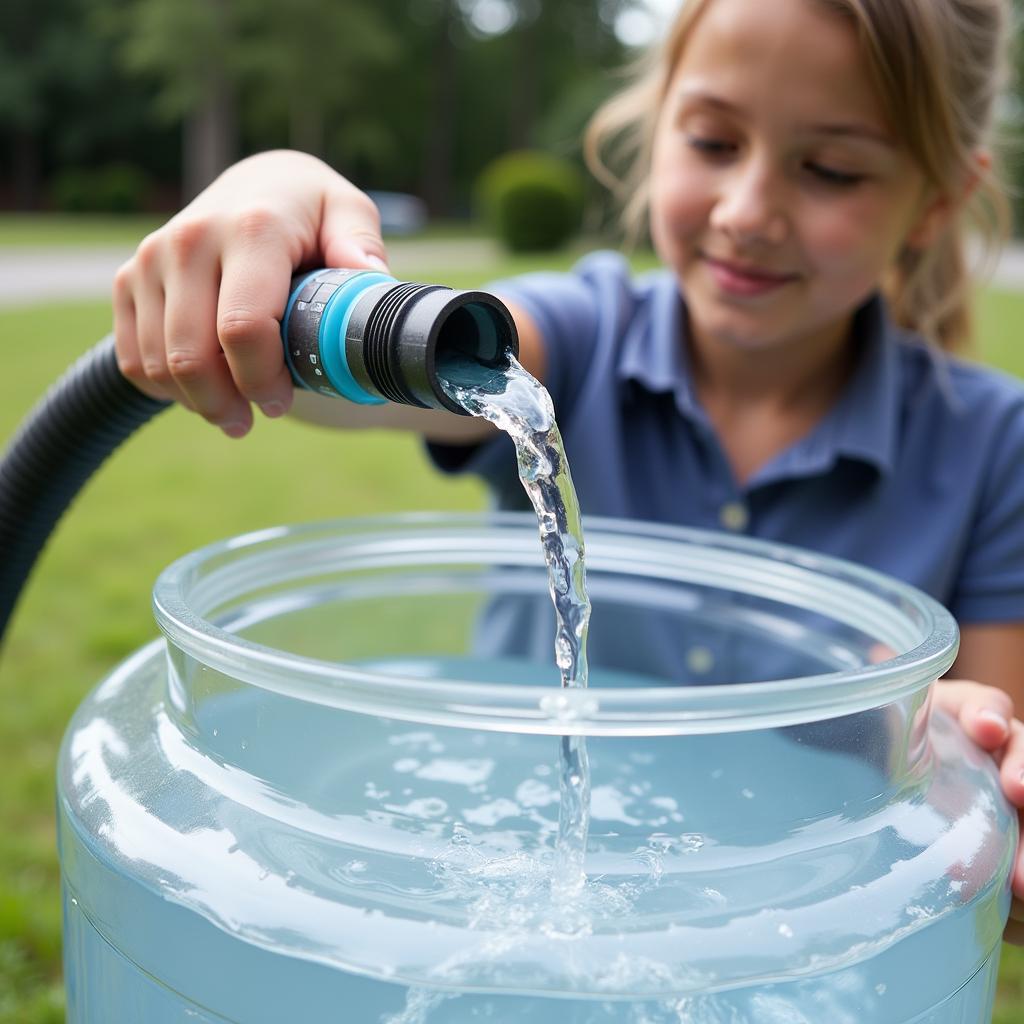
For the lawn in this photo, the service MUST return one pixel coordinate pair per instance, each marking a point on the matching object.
(35, 230)
(178, 485)
(32, 230)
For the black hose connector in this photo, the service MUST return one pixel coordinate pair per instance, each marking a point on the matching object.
(364, 336)
(84, 417)
(398, 338)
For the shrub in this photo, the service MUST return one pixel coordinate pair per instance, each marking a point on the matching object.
(532, 201)
(113, 188)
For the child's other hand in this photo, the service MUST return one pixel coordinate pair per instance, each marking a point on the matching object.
(197, 309)
(986, 714)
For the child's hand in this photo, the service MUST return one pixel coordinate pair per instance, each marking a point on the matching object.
(197, 308)
(986, 714)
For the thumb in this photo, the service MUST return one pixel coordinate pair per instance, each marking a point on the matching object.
(350, 232)
(984, 712)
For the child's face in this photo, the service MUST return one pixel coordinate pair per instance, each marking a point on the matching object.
(779, 194)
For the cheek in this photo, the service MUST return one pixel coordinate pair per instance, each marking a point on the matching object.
(680, 204)
(855, 237)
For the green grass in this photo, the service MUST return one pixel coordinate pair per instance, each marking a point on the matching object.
(39, 229)
(178, 485)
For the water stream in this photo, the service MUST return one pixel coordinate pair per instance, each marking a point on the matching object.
(517, 403)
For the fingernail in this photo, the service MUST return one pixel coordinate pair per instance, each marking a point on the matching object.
(273, 409)
(989, 715)
(235, 429)
(377, 263)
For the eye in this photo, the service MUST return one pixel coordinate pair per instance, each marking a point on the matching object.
(710, 145)
(833, 177)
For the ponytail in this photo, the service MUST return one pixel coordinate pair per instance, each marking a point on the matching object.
(930, 291)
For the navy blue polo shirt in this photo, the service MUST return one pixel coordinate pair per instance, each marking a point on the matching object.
(917, 471)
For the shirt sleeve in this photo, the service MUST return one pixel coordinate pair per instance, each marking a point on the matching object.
(990, 586)
(566, 308)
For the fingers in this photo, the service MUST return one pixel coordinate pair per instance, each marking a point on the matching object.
(984, 712)
(149, 328)
(1011, 768)
(253, 295)
(126, 338)
(135, 329)
(206, 336)
(1017, 882)
(350, 232)
(197, 310)
(194, 358)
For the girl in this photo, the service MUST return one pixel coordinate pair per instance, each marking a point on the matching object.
(805, 168)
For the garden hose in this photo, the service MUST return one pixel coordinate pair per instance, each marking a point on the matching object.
(359, 335)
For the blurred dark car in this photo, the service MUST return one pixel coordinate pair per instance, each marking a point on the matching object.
(400, 213)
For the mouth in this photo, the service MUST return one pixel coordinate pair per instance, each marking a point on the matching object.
(745, 279)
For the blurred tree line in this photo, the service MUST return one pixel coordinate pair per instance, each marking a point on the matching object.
(409, 95)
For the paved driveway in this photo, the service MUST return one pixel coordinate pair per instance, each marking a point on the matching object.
(30, 275)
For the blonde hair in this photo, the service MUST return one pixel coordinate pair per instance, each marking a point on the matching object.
(939, 67)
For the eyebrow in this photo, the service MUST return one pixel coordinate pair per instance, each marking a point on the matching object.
(854, 129)
(838, 129)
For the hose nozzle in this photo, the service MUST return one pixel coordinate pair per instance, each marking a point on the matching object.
(364, 336)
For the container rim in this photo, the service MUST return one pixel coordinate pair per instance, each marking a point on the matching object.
(186, 591)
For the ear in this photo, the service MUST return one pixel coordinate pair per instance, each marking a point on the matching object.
(940, 207)
(931, 221)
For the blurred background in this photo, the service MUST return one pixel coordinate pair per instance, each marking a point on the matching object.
(134, 105)
(462, 117)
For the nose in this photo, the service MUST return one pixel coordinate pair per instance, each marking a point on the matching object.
(751, 205)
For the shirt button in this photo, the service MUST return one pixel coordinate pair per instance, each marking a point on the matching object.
(699, 660)
(733, 515)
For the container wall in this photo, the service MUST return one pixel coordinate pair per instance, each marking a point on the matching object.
(335, 794)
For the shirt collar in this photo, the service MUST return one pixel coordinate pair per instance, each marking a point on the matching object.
(653, 352)
(861, 426)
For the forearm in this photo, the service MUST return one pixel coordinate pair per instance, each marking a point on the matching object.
(993, 653)
(432, 424)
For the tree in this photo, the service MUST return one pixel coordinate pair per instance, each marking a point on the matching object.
(40, 50)
(304, 64)
(221, 63)
(188, 47)
(415, 95)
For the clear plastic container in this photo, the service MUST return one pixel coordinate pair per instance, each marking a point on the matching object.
(332, 793)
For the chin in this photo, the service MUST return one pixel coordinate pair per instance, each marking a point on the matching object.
(735, 331)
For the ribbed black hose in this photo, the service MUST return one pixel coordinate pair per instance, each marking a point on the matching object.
(64, 440)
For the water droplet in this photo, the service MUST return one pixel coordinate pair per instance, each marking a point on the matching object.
(785, 931)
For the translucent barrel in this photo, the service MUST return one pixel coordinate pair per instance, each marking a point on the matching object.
(331, 792)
